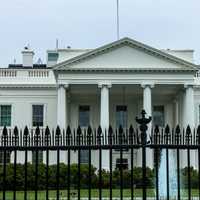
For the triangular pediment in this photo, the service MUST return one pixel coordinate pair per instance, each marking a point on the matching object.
(125, 54)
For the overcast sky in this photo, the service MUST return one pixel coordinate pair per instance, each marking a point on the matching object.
(173, 24)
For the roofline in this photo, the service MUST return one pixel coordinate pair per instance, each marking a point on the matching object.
(70, 49)
(178, 50)
(78, 58)
(128, 70)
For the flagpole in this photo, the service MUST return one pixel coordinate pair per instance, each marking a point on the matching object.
(117, 19)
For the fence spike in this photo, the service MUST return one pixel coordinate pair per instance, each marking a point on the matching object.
(131, 134)
(15, 131)
(121, 130)
(178, 130)
(131, 130)
(156, 130)
(167, 129)
(110, 131)
(79, 136)
(99, 135)
(177, 135)
(68, 131)
(110, 134)
(188, 135)
(89, 131)
(198, 130)
(99, 131)
(156, 135)
(79, 131)
(188, 130)
(26, 131)
(37, 131)
(5, 131)
(47, 131)
(58, 131)
(198, 135)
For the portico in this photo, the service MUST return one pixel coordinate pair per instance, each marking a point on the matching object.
(103, 98)
(110, 86)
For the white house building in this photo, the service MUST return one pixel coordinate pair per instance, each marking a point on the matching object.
(102, 86)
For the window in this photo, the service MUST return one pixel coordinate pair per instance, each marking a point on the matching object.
(84, 116)
(5, 118)
(158, 116)
(84, 121)
(2, 157)
(158, 119)
(121, 116)
(121, 163)
(38, 115)
(52, 56)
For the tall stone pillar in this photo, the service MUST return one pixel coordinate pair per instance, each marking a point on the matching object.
(62, 106)
(176, 112)
(188, 119)
(104, 119)
(147, 106)
(189, 106)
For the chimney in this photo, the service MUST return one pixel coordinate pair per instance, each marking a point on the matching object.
(27, 57)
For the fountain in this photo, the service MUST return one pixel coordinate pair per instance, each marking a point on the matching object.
(172, 175)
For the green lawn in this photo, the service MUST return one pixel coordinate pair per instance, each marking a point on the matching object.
(84, 193)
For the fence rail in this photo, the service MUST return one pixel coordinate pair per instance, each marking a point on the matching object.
(46, 140)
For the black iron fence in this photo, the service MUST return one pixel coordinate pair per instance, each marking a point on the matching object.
(160, 141)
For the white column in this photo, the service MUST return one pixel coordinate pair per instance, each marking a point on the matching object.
(189, 106)
(147, 106)
(188, 119)
(176, 112)
(104, 109)
(62, 111)
(61, 106)
(104, 119)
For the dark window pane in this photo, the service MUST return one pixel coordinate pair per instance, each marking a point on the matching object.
(158, 116)
(121, 116)
(38, 115)
(84, 116)
(5, 115)
(84, 121)
(52, 56)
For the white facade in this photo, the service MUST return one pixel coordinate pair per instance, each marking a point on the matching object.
(123, 73)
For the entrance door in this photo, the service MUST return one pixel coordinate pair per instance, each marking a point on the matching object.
(84, 122)
(158, 116)
(159, 120)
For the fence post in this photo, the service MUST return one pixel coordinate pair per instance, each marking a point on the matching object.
(143, 128)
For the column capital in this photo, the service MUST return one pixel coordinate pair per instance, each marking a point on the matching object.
(102, 85)
(65, 86)
(175, 100)
(144, 85)
(186, 86)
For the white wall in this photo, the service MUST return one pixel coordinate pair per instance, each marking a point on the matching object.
(22, 101)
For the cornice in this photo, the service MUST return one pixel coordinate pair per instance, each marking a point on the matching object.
(127, 70)
(27, 86)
